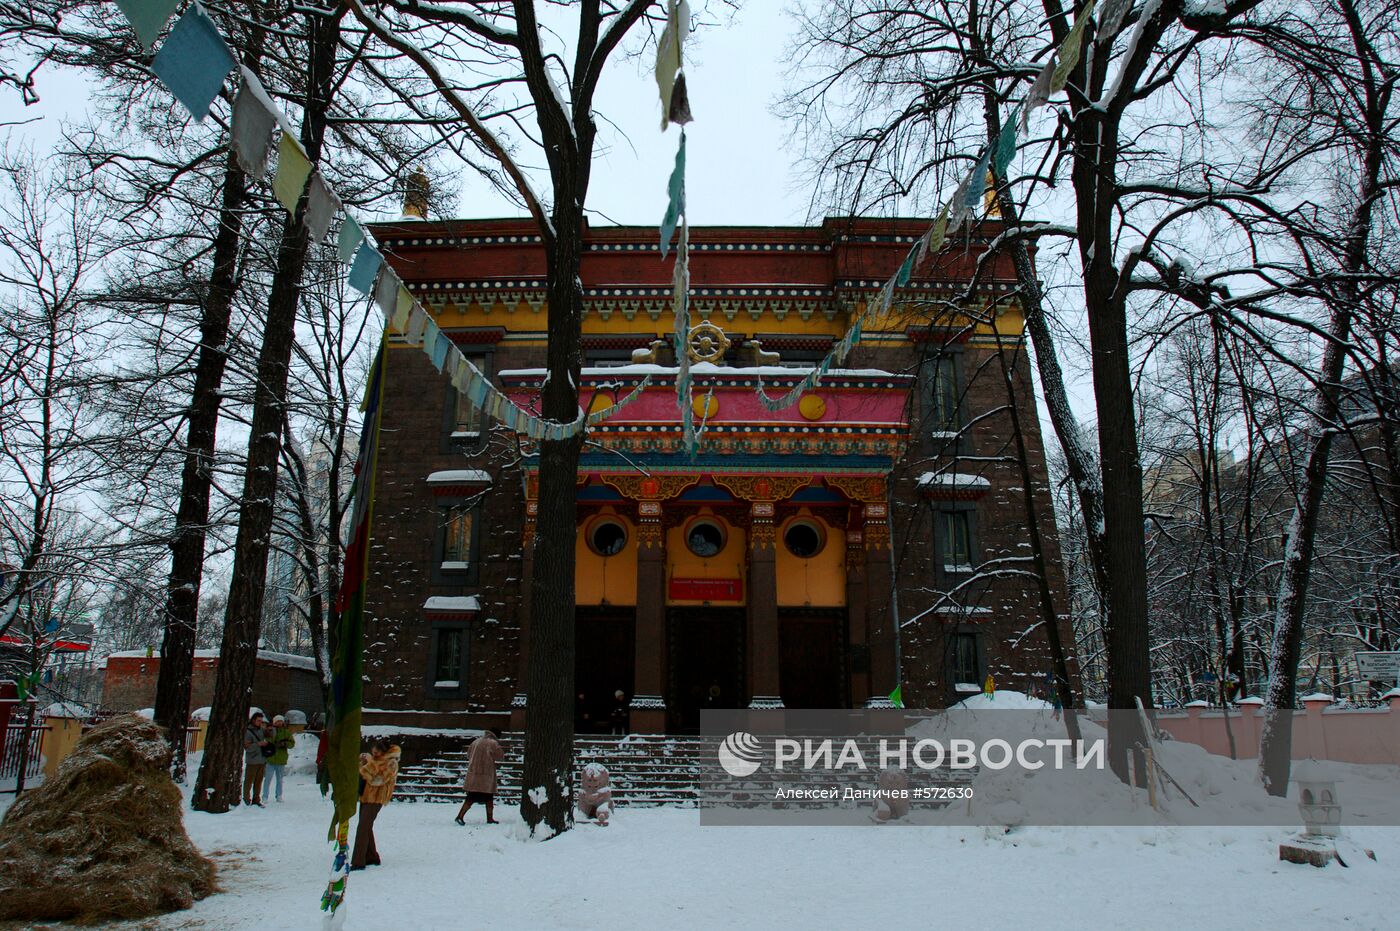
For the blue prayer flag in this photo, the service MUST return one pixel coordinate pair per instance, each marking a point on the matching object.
(366, 263)
(193, 62)
(441, 346)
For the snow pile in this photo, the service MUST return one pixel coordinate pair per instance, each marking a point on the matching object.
(1221, 791)
(104, 838)
(1005, 700)
(301, 759)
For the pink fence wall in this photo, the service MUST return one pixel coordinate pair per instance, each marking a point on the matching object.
(1348, 735)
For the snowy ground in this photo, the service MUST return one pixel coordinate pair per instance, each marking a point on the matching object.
(658, 868)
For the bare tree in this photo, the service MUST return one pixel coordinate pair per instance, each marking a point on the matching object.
(1341, 62)
(489, 65)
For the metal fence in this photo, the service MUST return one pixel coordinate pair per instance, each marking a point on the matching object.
(14, 741)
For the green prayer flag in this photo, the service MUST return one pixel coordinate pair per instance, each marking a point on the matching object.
(1006, 143)
(148, 17)
(675, 189)
(906, 268)
(349, 239)
(897, 696)
(1069, 50)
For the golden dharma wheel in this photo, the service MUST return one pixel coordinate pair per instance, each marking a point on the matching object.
(812, 407)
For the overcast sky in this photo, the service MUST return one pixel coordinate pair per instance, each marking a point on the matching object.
(741, 166)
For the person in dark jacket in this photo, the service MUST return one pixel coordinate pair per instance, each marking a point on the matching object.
(255, 738)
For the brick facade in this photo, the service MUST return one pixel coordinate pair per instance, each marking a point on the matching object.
(790, 288)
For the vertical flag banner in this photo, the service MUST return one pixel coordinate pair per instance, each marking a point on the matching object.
(347, 664)
(193, 61)
(675, 198)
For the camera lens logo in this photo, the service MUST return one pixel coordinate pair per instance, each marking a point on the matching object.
(740, 754)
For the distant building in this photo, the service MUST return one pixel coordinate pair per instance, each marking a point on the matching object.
(281, 681)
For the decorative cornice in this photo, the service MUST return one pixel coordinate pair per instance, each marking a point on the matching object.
(477, 336)
(762, 487)
(926, 284)
(649, 487)
(862, 488)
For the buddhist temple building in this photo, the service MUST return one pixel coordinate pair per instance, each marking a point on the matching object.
(872, 536)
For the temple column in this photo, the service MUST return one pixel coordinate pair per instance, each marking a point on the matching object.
(880, 621)
(857, 607)
(648, 706)
(527, 572)
(763, 643)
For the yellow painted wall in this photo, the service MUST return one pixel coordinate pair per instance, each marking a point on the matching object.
(612, 579)
(816, 582)
(730, 563)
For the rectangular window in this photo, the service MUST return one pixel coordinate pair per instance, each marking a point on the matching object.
(957, 541)
(457, 538)
(606, 358)
(469, 420)
(447, 669)
(943, 395)
(965, 670)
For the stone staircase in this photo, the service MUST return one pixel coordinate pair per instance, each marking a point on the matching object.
(645, 770)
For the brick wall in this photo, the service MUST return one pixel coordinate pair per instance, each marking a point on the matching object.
(402, 552)
(129, 684)
(1002, 610)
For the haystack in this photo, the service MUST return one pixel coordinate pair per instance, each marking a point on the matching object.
(104, 838)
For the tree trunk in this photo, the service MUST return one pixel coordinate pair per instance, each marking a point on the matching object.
(172, 705)
(1276, 737)
(547, 796)
(217, 788)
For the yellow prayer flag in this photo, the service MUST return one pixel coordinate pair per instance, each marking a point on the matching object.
(293, 171)
(401, 308)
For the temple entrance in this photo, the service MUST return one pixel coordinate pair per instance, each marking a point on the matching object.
(811, 672)
(603, 658)
(706, 664)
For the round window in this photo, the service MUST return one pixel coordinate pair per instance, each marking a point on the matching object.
(607, 538)
(803, 539)
(705, 538)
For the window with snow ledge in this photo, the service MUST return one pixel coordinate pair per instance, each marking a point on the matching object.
(966, 661)
(457, 543)
(447, 658)
(941, 399)
(955, 537)
(465, 428)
